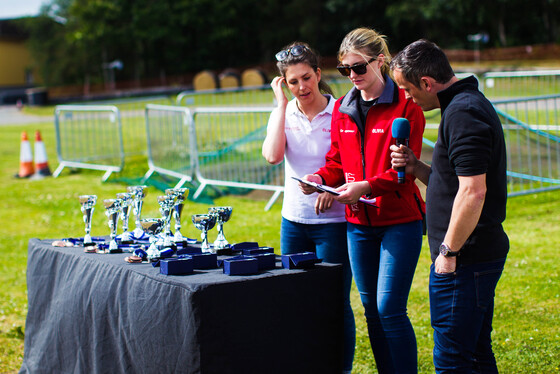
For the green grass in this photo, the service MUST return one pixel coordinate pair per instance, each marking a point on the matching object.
(527, 316)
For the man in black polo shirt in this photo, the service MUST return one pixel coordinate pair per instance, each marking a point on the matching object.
(465, 206)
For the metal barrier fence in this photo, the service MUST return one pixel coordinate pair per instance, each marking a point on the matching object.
(132, 119)
(515, 84)
(171, 142)
(214, 147)
(89, 137)
(229, 144)
(532, 132)
(221, 146)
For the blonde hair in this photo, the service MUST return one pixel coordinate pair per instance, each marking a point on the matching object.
(367, 43)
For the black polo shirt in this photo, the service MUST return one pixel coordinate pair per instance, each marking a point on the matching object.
(470, 142)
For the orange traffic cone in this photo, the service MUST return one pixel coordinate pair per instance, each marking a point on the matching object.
(25, 158)
(41, 162)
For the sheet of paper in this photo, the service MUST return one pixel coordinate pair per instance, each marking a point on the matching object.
(322, 187)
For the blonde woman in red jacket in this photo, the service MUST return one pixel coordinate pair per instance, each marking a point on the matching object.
(383, 243)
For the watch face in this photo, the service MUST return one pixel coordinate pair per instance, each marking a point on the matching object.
(444, 250)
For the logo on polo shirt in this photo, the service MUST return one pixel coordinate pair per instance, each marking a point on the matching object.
(348, 131)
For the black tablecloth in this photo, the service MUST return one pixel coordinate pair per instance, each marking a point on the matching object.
(95, 313)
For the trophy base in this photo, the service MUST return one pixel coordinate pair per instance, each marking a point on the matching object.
(91, 249)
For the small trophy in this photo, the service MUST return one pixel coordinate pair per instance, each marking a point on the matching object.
(113, 209)
(223, 214)
(204, 222)
(138, 194)
(180, 196)
(152, 227)
(125, 199)
(87, 202)
(166, 203)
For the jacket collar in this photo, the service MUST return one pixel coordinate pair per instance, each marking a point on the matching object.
(389, 95)
(445, 96)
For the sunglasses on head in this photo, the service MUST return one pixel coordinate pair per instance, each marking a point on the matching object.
(296, 50)
(359, 69)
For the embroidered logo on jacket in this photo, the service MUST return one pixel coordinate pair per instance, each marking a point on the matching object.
(378, 131)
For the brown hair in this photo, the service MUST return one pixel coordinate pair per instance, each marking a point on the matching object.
(309, 57)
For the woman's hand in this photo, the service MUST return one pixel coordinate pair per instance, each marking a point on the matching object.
(350, 193)
(276, 85)
(324, 202)
(307, 189)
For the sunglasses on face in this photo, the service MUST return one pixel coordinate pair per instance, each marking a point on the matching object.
(296, 50)
(359, 69)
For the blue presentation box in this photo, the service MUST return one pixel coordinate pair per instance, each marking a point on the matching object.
(241, 265)
(188, 250)
(259, 250)
(303, 260)
(244, 245)
(267, 261)
(205, 260)
(176, 266)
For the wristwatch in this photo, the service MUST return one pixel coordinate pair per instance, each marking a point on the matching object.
(444, 250)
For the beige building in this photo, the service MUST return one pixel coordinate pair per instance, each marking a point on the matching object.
(16, 72)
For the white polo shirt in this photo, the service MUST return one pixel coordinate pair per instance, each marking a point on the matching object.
(307, 143)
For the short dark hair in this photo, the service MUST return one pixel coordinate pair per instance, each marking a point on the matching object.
(423, 59)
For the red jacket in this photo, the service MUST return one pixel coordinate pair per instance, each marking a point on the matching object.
(354, 157)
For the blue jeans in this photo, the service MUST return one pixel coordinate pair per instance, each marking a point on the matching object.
(383, 261)
(329, 242)
(461, 308)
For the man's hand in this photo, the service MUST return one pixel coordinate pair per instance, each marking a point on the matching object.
(445, 265)
(403, 156)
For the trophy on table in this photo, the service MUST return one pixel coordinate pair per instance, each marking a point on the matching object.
(138, 194)
(152, 227)
(125, 201)
(87, 202)
(166, 203)
(223, 214)
(204, 222)
(180, 196)
(112, 211)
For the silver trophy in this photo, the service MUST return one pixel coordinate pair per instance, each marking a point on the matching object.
(125, 199)
(180, 196)
(223, 214)
(87, 202)
(138, 194)
(166, 203)
(152, 227)
(112, 211)
(204, 222)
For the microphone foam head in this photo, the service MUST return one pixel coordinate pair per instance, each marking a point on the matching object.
(400, 128)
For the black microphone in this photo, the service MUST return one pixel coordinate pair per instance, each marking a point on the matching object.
(401, 132)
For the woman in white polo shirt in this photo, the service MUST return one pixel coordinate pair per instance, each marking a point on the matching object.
(299, 133)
